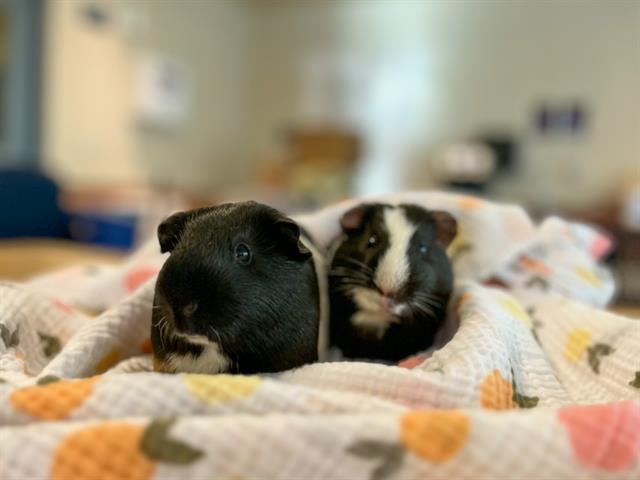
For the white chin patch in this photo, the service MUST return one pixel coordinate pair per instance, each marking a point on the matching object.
(371, 315)
(373, 323)
(393, 270)
(367, 299)
(211, 360)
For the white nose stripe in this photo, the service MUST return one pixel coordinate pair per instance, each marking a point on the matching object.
(393, 270)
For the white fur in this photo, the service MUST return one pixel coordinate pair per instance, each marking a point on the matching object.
(371, 321)
(367, 299)
(371, 314)
(393, 270)
(197, 339)
(211, 360)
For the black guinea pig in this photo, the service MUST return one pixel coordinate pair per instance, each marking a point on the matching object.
(390, 280)
(237, 294)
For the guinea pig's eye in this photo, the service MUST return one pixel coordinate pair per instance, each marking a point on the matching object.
(423, 249)
(373, 241)
(243, 254)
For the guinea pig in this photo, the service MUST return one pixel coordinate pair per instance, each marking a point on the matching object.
(390, 280)
(238, 292)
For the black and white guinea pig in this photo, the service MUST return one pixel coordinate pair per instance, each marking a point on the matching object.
(237, 294)
(390, 280)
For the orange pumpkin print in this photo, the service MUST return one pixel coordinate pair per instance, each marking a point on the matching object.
(110, 360)
(534, 265)
(120, 451)
(470, 203)
(109, 451)
(496, 393)
(53, 401)
(464, 298)
(435, 435)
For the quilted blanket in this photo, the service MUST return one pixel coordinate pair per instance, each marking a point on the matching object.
(531, 378)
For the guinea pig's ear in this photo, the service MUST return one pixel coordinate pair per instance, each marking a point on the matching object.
(171, 229)
(289, 235)
(446, 227)
(353, 219)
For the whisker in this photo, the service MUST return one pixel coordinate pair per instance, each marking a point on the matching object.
(162, 327)
(428, 298)
(355, 262)
(217, 334)
(427, 294)
(345, 278)
(349, 279)
(345, 288)
(352, 284)
(432, 304)
(424, 309)
(364, 281)
(344, 272)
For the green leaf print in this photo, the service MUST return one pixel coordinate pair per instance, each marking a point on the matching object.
(595, 354)
(522, 400)
(47, 379)
(51, 345)
(157, 445)
(390, 456)
(10, 339)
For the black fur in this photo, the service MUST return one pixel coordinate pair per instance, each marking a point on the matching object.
(264, 315)
(429, 284)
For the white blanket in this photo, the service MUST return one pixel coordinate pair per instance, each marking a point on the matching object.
(532, 380)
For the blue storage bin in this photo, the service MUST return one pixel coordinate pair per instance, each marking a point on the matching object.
(104, 229)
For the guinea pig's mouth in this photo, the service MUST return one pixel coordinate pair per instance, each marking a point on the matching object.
(194, 337)
(169, 327)
(371, 301)
(391, 310)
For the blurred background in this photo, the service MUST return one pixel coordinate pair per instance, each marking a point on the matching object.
(114, 112)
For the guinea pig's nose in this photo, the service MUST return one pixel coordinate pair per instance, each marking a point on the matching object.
(189, 309)
(384, 291)
(183, 316)
(387, 303)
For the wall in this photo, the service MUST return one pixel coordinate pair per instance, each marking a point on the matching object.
(88, 125)
(480, 65)
(407, 74)
(92, 136)
(211, 39)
